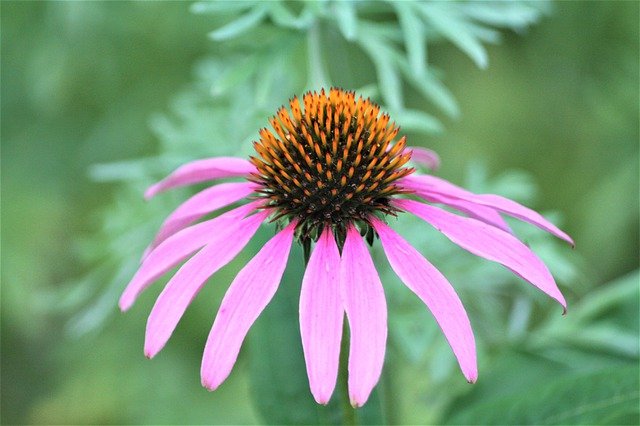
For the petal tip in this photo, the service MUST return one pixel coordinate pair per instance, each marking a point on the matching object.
(151, 351)
(208, 385)
(125, 303)
(322, 401)
(563, 303)
(358, 401)
(321, 397)
(151, 192)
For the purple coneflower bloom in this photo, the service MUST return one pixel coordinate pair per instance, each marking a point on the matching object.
(329, 176)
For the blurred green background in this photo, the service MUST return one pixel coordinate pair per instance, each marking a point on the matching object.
(80, 81)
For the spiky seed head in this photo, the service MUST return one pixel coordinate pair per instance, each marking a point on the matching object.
(332, 161)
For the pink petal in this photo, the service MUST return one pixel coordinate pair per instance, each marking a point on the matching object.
(190, 278)
(489, 242)
(250, 292)
(202, 203)
(425, 157)
(482, 213)
(427, 186)
(521, 212)
(179, 246)
(366, 309)
(451, 196)
(432, 184)
(202, 170)
(321, 315)
(435, 291)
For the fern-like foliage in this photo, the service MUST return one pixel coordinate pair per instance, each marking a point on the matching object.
(394, 35)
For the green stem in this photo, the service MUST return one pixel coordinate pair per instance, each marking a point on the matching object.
(349, 414)
(317, 72)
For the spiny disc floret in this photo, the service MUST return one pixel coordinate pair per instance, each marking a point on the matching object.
(332, 162)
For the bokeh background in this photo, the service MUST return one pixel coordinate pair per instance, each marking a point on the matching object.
(81, 83)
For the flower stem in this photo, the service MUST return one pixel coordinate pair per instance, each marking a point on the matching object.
(349, 414)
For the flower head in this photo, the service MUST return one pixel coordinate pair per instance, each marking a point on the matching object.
(331, 174)
(331, 164)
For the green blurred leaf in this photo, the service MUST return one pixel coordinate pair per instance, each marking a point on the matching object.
(221, 6)
(417, 121)
(609, 297)
(430, 87)
(236, 74)
(242, 24)
(504, 14)
(283, 17)
(452, 26)
(609, 396)
(390, 84)
(414, 39)
(606, 320)
(345, 14)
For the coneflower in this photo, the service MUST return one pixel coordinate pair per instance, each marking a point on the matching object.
(329, 174)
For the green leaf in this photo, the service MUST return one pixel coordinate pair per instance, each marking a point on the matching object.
(345, 14)
(609, 396)
(606, 320)
(607, 337)
(483, 34)
(609, 297)
(283, 17)
(242, 24)
(414, 38)
(381, 56)
(512, 15)
(235, 75)
(417, 121)
(430, 87)
(220, 6)
(456, 30)
(387, 31)
(369, 91)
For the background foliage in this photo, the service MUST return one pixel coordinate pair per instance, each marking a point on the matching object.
(127, 91)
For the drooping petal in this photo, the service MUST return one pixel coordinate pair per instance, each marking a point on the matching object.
(202, 170)
(426, 185)
(179, 246)
(202, 203)
(190, 278)
(455, 197)
(321, 315)
(365, 305)
(432, 184)
(521, 212)
(248, 295)
(435, 291)
(489, 242)
(424, 157)
(477, 211)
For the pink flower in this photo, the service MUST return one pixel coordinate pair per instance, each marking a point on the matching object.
(330, 175)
